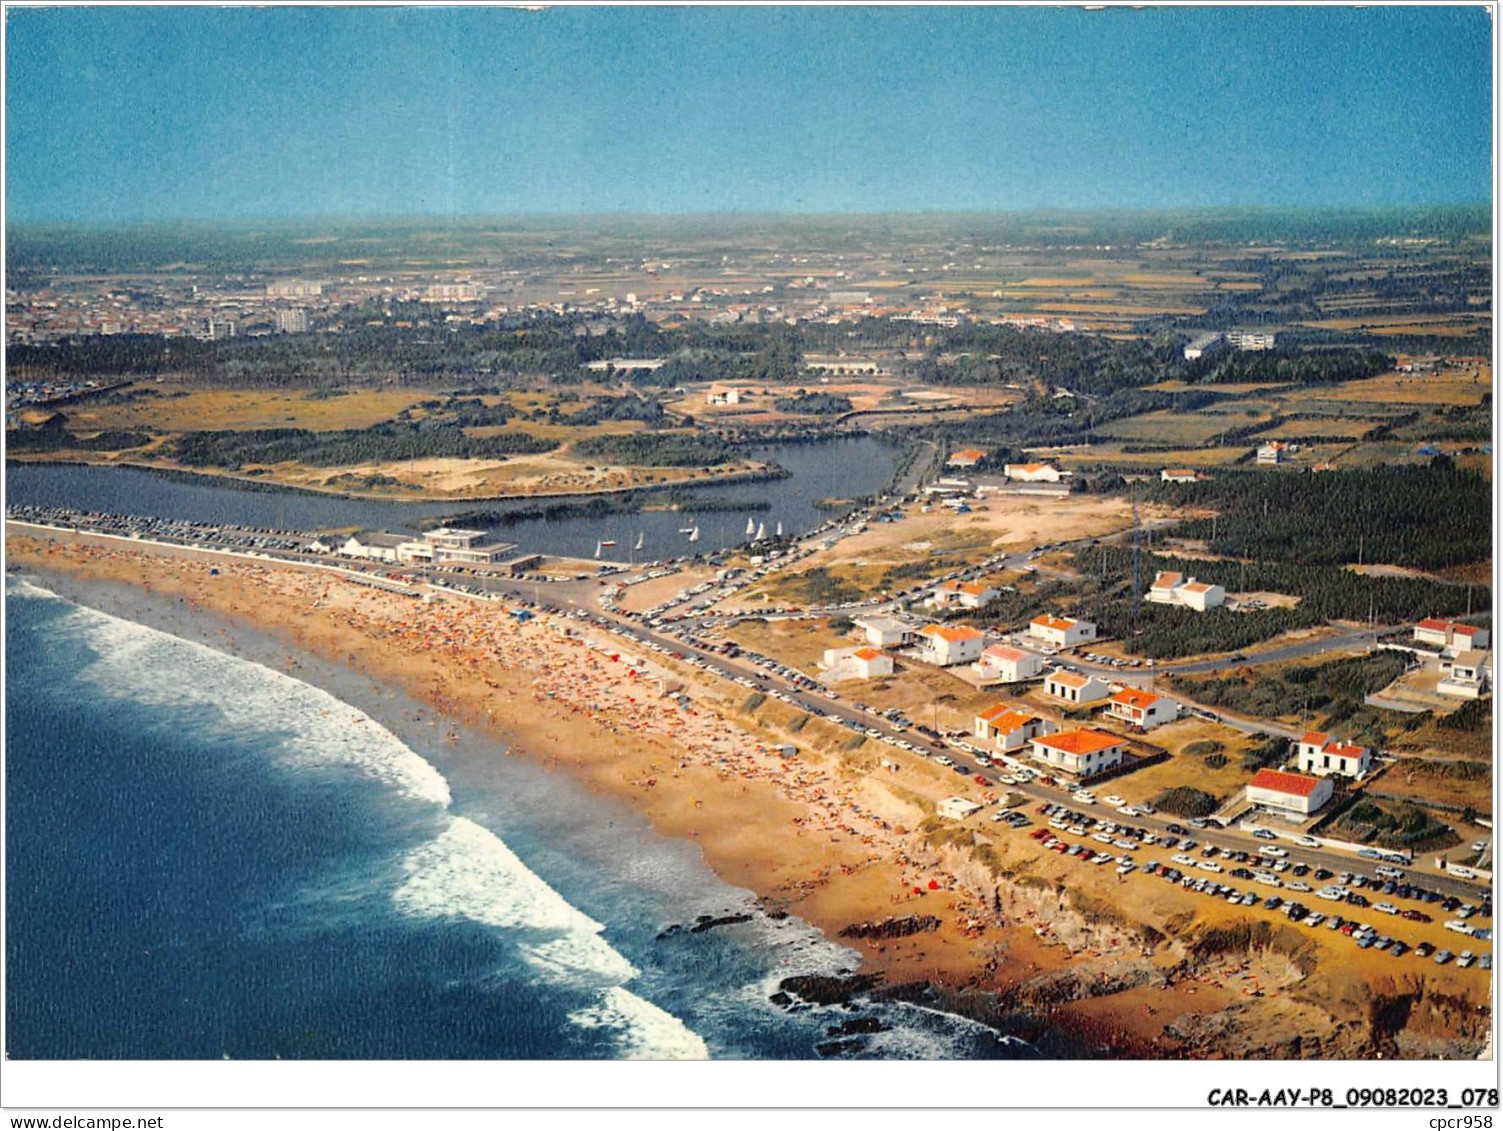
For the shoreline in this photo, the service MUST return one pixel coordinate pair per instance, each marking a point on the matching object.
(828, 835)
(748, 836)
(272, 486)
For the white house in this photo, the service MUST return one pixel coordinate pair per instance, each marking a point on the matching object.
(947, 645)
(1203, 344)
(1141, 708)
(1200, 596)
(856, 663)
(957, 808)
(1078, 690)
(1170, 588)
(372, 545)
(446, 544)
(1032, 472)
(1274, 451)
(1318, 753)
(885, 632)
(966, 594)
(1165, 588)
(1467, 678)
(1084, 752)
(723, 396)
(1061, 632)
(1007, 729)
(966, 457)
(1179, 475)
(1291, 795)
(1001, 663)
(1450, 636)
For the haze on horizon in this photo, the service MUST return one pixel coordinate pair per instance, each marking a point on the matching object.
(151, 114)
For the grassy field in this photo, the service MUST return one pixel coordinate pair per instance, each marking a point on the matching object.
(1448, 387)
(180, 408)
(1186, 428)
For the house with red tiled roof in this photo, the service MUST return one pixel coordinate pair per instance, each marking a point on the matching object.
(1084, 752)
(1173, 589)
(1141, 708)
(1316, 752)
(1074, 688)
(1002, 663)
(1450, 637)
(948, 645)
(1165, 583)
(966, 457)
(856, 663)
(1061, 632)
(1179, 475)
(1288, 795)
(1032, 472)
(1009, 729)
(966, 594)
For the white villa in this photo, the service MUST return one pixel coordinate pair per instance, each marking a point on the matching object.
(1061, 632)
(1077, 690)
(1032, 472)
(1008, 729)
(1141, 708)
(1318, 753)
(1170, 588)
(856, 663)
(1004, 664)
(1288, 795)
(1082, 752)
(966, 594)
(1450, 637)
(1468, 677)
(947, 645)
(885, 632)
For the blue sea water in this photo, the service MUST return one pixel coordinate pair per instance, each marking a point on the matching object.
(210, 858)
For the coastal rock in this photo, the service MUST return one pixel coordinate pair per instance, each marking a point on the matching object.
(823, 989)
(892, 928)
(709, 923)
(1089, 980)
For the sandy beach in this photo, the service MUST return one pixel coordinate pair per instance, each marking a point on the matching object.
(828, 835)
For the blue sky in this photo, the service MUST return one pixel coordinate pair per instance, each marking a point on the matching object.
(136, 113)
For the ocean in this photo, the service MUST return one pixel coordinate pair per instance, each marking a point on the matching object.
(211, 858)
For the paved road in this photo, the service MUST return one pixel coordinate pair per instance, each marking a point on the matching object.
(583, 595)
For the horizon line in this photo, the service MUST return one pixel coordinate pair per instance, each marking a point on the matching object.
(770, 214)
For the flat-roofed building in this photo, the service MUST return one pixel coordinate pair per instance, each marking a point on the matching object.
(886, 632)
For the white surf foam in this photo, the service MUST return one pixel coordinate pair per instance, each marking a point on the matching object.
(22, 586)
(315, 729)
(466, 872)
(644, 1031)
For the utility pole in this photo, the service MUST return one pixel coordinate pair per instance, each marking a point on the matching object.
(1137, 564)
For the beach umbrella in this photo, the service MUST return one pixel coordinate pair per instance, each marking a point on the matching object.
(933, 885)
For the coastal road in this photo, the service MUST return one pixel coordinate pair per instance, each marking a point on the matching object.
(1233, 839)
(583, 596)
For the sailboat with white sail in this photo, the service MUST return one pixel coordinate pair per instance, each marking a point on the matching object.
(694, 534)
(751, 527)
